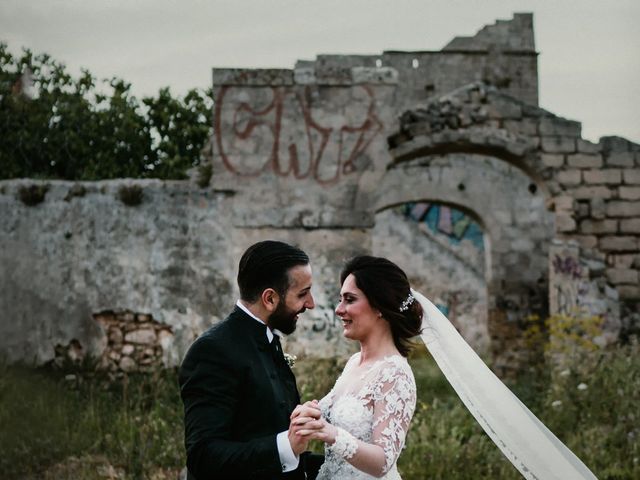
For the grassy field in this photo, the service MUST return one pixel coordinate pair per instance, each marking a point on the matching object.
(58, 427)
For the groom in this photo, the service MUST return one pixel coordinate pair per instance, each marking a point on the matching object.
(237, 389)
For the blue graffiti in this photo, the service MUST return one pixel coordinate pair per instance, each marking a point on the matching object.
(443, 308)
(447, 221)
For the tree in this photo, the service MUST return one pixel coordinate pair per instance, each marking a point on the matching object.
(55, 126)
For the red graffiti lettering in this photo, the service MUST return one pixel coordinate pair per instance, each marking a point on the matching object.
(284, 151)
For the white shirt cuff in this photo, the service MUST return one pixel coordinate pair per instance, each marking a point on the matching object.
(288, 459)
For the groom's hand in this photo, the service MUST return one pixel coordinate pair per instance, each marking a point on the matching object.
(301, 416)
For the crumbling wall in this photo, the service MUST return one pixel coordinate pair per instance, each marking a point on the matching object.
(322, 156)
(592, 190)
(83, 250)
(502, 55)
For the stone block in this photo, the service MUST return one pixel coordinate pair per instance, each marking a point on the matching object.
(379, 76)
(252, 77)
(558, 144)
(338, 76)
(500, 107)
(631, 225)
(554, 187)
(583, 209)
(525, 126)
(598, 227)
(563, 203)
(622, 275)
(585, 146)
(304, 75)
(127, 364)
(623, 209)
(629, 292)
(142, 337)
(631, 176)
(596, 267)
(598, 208)
(115, 336)
(620, 261)
(569, 177)
(517, 148)
(629, 193)
(620, 159)
(608, 176)
(586, 241)
(618, 244)
(583, 160)
(552, 160)
(587, 193)
(523, 244)
(614, 143)
(565, 223)
(554, 126)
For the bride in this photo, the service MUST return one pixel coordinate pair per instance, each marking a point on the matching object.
(366, 415)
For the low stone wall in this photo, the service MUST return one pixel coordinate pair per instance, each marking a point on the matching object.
(135, 341)
(131, 342)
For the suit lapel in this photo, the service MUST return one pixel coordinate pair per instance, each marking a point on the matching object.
(276, 369)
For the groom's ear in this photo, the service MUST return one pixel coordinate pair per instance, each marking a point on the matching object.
(270, 299)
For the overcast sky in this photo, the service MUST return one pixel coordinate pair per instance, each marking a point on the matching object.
(589, 61)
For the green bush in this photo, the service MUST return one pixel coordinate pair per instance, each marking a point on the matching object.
(84, 129)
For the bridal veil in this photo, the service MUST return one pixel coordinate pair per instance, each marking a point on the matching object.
(530, 446)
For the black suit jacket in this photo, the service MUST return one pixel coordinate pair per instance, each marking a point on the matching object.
(237, 397)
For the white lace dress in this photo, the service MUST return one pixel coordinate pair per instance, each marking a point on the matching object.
(374, 405)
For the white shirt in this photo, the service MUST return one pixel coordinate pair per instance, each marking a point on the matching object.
(288, 459)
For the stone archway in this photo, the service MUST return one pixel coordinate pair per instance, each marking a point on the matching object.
(510, 208)
(441, 248)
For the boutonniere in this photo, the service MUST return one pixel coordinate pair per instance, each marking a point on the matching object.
(290, 359)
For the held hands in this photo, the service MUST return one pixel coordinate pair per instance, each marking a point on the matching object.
(307, 424)
(308, 413)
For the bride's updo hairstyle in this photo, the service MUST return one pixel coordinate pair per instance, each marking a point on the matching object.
(387, 289)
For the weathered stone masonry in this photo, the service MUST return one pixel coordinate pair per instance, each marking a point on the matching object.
(328, 155)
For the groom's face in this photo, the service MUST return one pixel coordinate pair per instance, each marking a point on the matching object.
(296, 300)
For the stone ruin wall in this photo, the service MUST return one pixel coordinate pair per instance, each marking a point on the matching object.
(86, 276)
(502, 55)
(324, 156)
(591, 190)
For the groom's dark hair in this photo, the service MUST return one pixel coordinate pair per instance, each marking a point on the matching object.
(266, 265)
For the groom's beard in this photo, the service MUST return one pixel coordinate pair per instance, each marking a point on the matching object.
(284, 319)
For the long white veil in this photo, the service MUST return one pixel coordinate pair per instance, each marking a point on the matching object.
(530, 446)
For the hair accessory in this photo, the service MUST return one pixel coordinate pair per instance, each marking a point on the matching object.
(405, 305)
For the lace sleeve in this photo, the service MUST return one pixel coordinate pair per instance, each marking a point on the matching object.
(394, 402)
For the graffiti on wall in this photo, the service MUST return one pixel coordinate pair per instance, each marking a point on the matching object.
(570, 291)
(442, 220)
(282, 132)
(569, 297)
(569, 266)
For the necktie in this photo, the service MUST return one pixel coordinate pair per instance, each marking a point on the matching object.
(277, 348)
(284, 372)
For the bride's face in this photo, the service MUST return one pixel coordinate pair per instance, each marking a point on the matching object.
(359, 319)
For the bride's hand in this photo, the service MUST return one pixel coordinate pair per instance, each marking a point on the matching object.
(318, 429)
(307, 409)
